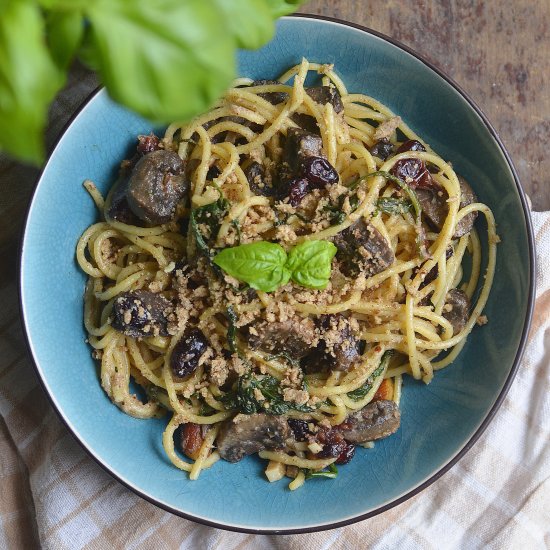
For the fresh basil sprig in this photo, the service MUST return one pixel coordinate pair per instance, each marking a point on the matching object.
(168, 59)
(266, 266)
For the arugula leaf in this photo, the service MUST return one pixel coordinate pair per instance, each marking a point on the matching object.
(362, 391)
(260, 264)
(168, 60)
(29, 79)
(243, 398)
(331, 472)
(310, 263)
(210, 215)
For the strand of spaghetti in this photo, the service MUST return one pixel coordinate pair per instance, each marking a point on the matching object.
(85, 265)
(298, 481)
(368, 366)
(204, 451)
(123, 286)
(409, 332)
(310, 464)
(199, 180)
(96, 195)
(104, 341)
(476, 263)
(101, 242)
(332, 308)
(108, 368)
(489, 275)
(454, 264)
(340, 410)
(155, 251)
(91, 311)
(168, 443)
(127, 230)
(397, 386)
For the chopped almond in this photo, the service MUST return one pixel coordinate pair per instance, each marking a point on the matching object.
(385, 391)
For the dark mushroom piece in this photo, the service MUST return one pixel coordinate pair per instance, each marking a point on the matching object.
(156, 186)
(141, 313)
(300, 145)
(306, 122)
(249, 434)
(272, 97)
(361, 248)
(343, 352)
(186, 354)
(256, 176)
(116, 204)
(436, 209)
(293, 337)
(326, 94)
(376, 420)
(456, 309)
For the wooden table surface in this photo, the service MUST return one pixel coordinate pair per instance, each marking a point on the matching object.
(497, 50)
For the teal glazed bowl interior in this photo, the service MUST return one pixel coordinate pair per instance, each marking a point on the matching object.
(440, 422)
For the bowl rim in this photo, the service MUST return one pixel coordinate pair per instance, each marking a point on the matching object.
(443, 469)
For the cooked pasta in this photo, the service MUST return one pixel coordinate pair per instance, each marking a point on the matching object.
(268, 272)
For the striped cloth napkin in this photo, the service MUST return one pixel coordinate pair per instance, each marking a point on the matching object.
(54, 496)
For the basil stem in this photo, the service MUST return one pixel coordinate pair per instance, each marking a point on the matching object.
(331, 472)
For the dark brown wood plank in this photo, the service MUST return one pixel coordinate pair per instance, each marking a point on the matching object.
(497, 50)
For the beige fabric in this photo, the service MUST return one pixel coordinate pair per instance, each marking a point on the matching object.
(53, 495)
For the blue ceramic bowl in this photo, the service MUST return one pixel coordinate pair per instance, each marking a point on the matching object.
(439, 423)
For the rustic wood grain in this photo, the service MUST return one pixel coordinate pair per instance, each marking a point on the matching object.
(497, 50)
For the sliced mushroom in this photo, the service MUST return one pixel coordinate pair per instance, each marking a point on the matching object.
(457, 309)
(116, 203)
(294, 337)
(306, 122)
(141, 313)
(435, 207)
(273, 97)
(156, 186)
(247, 434)
(338, 349)
(361, 248)
(256, 176)
(300, 145)
(326, 94)
(376, 420)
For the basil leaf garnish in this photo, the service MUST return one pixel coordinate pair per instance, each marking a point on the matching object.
(260, 264)
(266, 266)
(310, 263)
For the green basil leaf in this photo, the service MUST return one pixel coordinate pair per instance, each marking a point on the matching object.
(260, 264)
(249, 21)
(29, 79)
(310, 263)
(283, 7)
(168, 60)
(65, 30)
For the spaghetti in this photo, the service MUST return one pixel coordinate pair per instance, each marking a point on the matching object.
(301, 373)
